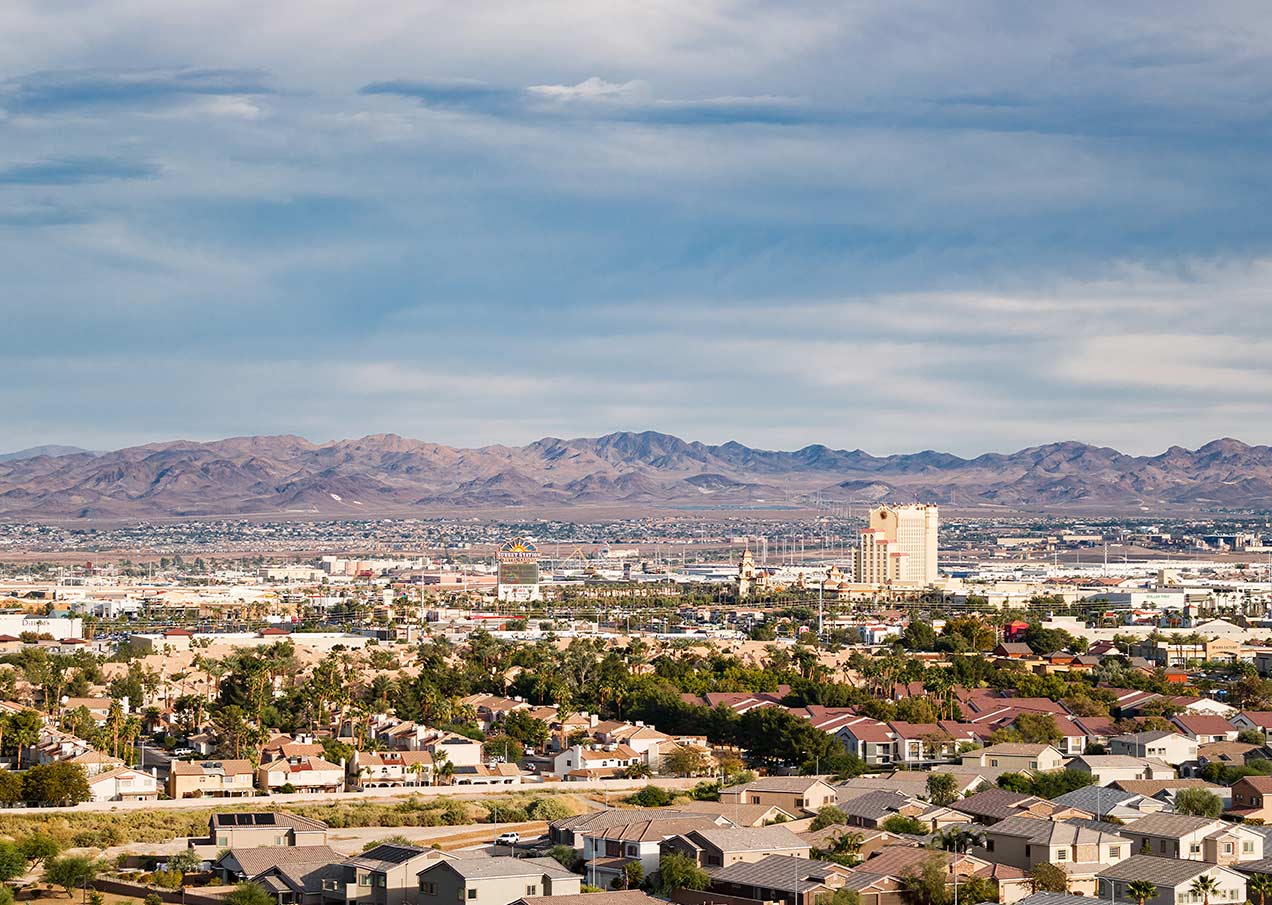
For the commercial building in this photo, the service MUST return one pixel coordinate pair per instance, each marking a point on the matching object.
(898, 547)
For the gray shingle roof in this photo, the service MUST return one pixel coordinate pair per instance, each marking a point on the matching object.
(780, 872)
(1050, 832)
(1095, 799)
(253, 861)
(490, 868)
(1171, 826)
(1163, 871)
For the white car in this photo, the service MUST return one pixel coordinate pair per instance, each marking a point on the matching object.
(507, 839)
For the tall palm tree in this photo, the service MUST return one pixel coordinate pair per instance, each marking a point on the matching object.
(1143, 890)
(443, 769)
(1204, 886)
(1260, 885)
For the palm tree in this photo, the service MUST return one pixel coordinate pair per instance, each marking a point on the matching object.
(1143, 890)
(1204, 886)
(1260, 885)
(443, 769)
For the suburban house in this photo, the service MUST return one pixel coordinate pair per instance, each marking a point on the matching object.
(722, 846)
(1168, 747)
(572, 830)
(1081, 850)
(210, 779)
(1101, 802)
(302, 773)
(494, 881)
(1194, 839)
(921, 743)
(793, 794)
(239, 864)
(387, 874)
(1252, 798)
(582, 762)
(992, 805)
(607, 851)
(1254, 719)
(795, 881)
(1111, 768)
(868, 739)
(255, 829)
(1206, 729)
(1173, 879)
(1016, 757)
(124, 784)
(387, 769)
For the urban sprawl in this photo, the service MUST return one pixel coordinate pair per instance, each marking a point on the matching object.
(870, 707)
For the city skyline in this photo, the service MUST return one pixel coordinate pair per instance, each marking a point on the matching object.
(963, 227)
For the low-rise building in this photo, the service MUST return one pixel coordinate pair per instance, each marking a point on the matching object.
(1110, 768)
(494, 881)
(1173, 878)
(713, 847)
(210, 779)
(1168, 747)
(1194, 839)
(794, 794)
(124, 784)
(1016, 757)
(300, 773)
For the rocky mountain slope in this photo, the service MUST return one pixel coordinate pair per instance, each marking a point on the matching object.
(388, 474)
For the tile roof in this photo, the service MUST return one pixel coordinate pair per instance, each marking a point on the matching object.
(780, 872)
(750, 839)
(1051, 832)
(256, 860)
(779, 784)
(1170, 872)
(997, 803)
(488, 868)
(1172, 826)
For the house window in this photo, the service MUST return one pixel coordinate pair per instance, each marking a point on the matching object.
(1247, 846)
(532, 890)
(1033, 765)
(1227, 848)
(472, 894)
(989, 845)
(429, 889)
(633, 851)
(1196, 848)
(713, 861)
(993, 762)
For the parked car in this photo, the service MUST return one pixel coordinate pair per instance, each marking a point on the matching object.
(507, 839)
(182, 752)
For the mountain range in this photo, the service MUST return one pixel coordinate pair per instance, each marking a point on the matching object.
(386, 474)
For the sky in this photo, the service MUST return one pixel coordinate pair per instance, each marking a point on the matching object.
(964, 226)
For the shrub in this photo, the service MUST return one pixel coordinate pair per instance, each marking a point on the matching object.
(651, 797)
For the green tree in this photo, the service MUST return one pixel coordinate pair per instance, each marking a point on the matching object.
(925, 883)
(249, 894)
(1257, 885)
(1143, 890)
(829, 815)
(1046, 877)
(839, 897)
(23, 731)
(38, 848)
(942, 789)
(58, 783)
(188, 861)
(13, 863)
(1038, 728)
(1204, 887)
(676, 871)
(632, 876)
(1198, 803)
(71, 872)
(904, 826)
(687, 760)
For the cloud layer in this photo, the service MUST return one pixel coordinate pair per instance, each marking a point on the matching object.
(968, 226)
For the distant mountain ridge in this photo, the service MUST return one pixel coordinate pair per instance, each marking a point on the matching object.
(388, 474)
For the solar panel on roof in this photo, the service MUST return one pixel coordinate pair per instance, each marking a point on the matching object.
(394, 854)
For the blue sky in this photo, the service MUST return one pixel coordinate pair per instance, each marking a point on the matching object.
(895, 226)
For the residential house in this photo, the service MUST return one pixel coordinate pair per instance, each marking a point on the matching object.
(1255, 719)
(1102, 802)
(871, 809)
(919, 744)
(794, 794)
(210, 779)
(494, 881)
(1168, 747)
(457, 749)
(992, 805)
(584, 763)
(236, 865)
(1110, 768)
(1194, 838)
(572, 830)
(124, 784)
(1167, 789)
(387, 874)
(777, 878)
(301, 773)
(1016, 757)
(1252, 798)
(1015, 650)
(714, 846)
(1173, 878)
(868, 739)
(1206, 729)
(487, 775)
(1081, 850)
(608, 850)
(256, 829)
(389, 769)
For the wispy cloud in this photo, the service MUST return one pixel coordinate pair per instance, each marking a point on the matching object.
(597, 98)
(76, 171)
(61, 90)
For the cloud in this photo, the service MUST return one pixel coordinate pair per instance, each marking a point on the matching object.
(596, 98)
(63, 90)
(76, 171)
